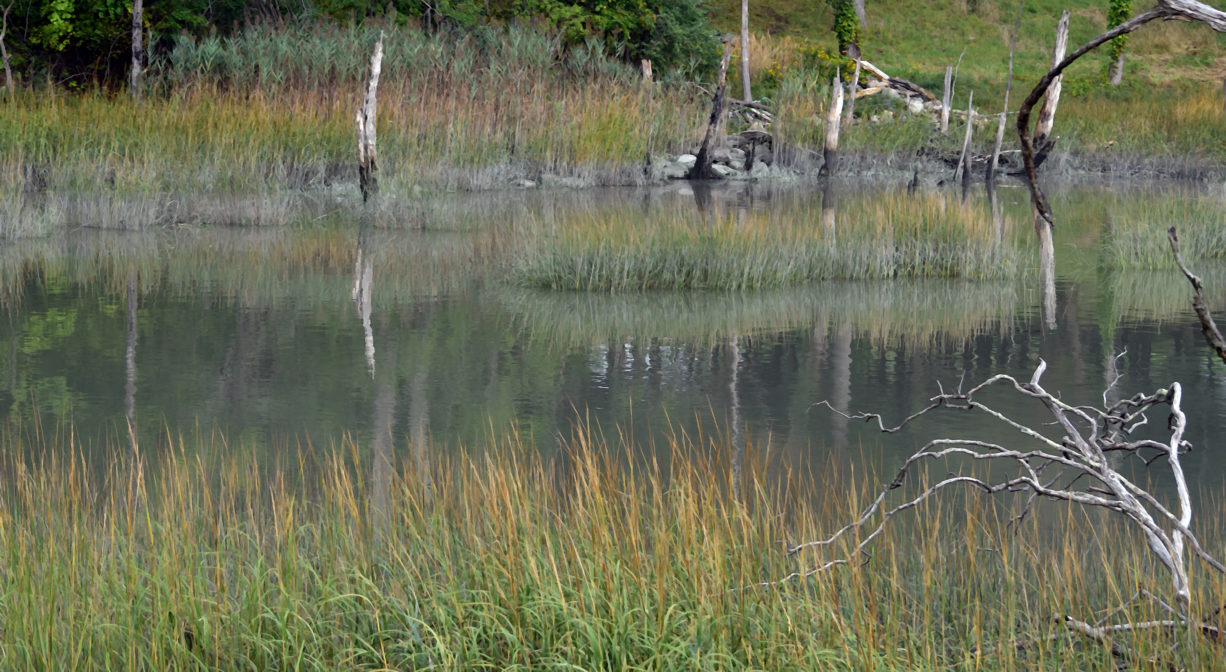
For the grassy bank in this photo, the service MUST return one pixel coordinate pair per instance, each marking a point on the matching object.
(502, 558)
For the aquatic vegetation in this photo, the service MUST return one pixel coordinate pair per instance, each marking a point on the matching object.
(1135, 234)
(894, 237)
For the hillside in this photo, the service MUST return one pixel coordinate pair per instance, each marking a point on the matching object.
(916, 39)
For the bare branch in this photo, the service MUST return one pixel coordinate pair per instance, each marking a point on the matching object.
(1207, 326)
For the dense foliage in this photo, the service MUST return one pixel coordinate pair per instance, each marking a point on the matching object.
(80, 42)
(1118, 11)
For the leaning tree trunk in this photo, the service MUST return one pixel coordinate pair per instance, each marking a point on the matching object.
(1047, 113)
(138, 47)
(702, 166)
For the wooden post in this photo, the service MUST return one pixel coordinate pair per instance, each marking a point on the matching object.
(851, 96)
(947, 95)
(1047, 113)
(833, 115)
(368, 166)
(138, 47)
(702, 167)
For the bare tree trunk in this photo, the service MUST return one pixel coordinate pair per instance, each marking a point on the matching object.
(138, 47)
(833, 115)
(4, 52)
(947, 94)
(745, 51)
(964, 157)
(859, 5)
(1047, 113)
(1115, 71)
(368, 167)
(702, 167)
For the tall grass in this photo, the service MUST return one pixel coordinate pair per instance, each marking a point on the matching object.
(1136, 232)
(499, 557)
(252, 114)
(896, 236)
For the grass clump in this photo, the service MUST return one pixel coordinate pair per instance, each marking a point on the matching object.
(599, 557)
(893, 237)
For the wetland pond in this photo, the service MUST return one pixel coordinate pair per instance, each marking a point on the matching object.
(407, 337)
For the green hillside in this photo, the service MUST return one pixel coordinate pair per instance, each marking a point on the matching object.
(916, 39)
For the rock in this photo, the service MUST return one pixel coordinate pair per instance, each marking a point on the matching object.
(722, 171)
(524, 183)
(687, 160)
(736, 154)
(763, 154)
(737, 164)
(721, 155)
(915, 106)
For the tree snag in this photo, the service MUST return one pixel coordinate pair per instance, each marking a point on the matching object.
(1207, 325)
(702, 166)
(745, 50)
(1047, 113)
(368, 167)
(4, 52)
(833, 114)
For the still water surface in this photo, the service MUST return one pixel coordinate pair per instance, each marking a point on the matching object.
(310, 332)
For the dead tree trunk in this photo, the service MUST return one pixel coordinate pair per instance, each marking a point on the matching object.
(964, 157)
(702, 167)
(138, 47)
(851, 96)
(4, 52)
(1047, 113)
(368, 166)
(859, 5)
(1000, 125)
(833, 115)
(946, 97)
(745, 51)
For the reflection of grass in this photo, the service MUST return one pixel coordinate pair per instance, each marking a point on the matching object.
(895, 236)
(916, 313)
(1163, 295)
(505, 558)
(1137, 235)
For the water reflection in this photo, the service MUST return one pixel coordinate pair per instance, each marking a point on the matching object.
(254, 331)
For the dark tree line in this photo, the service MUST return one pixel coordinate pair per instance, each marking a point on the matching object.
(82, 43)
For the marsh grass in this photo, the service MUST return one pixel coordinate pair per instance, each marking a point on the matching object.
(1135, 235)
(598, 557)
(896, 236)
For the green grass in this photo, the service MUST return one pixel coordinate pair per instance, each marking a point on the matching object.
(1135, 235)
(499, 557)
(893, 237)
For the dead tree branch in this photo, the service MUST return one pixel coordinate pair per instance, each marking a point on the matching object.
(1074, 468)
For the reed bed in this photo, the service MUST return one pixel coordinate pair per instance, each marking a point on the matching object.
(599, 557)
(896, 236)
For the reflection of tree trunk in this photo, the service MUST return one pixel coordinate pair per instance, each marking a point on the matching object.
(840, 396)
(1047, 272)
(363, 285)
(738, 426)
(998, 217)
(382, 466)
(419, 428)
(129, 388)
(828, 209)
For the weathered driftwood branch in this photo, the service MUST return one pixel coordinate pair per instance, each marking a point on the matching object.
(1074, 468)
(702, 167)
(1207, 326)
(368, 165)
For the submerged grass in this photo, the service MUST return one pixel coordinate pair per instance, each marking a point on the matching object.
(501, 557)
(897, 236)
